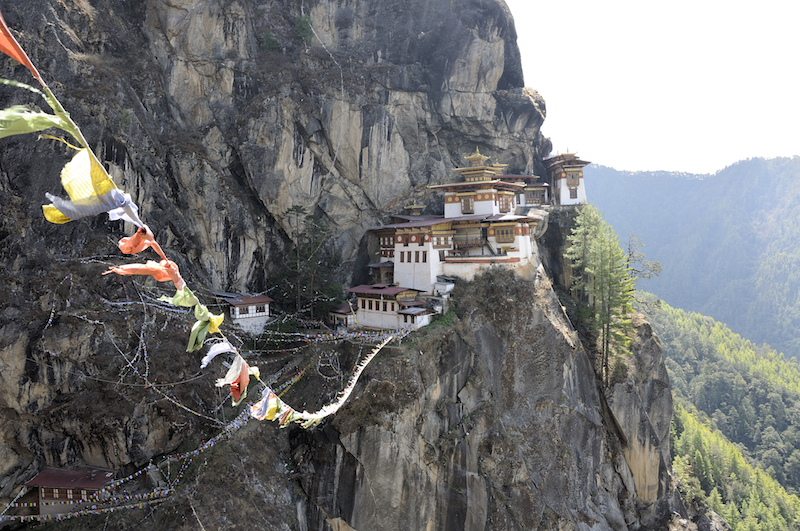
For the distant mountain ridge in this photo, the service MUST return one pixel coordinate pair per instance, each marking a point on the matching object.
(729, 242)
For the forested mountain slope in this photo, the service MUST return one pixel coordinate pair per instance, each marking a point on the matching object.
(750, 393)
(713, 470)
(729, 243)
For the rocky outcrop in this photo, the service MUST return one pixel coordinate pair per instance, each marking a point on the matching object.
(640, 399)
(506, 430)
(219, 116)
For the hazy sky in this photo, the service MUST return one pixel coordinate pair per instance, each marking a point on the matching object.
(684, 85)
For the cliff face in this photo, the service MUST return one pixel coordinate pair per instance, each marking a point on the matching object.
(497, 423)
(218, 116)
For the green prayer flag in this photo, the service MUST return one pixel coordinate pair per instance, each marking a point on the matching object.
(19, 120)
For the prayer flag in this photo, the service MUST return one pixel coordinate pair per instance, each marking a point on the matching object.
(10, 47)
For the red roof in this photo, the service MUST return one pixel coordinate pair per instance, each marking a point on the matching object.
(379, 289)
(431, 221)
(345, 307)
(496, 183)
(414, 311)
(248, 300)
(82, 478)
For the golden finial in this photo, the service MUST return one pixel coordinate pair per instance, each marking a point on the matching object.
(477, 159)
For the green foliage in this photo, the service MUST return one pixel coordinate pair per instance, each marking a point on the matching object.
(19, 120)
(713, 471)
(270, 43)
(125, 117)
(602, 282)
(750, 393)
(302, 29)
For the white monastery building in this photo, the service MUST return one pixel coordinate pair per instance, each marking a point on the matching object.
(489, 220)
(390, 307)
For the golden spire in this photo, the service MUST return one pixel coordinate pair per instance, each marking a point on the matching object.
(477, 159)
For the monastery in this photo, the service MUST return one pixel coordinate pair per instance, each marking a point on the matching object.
(489, 220)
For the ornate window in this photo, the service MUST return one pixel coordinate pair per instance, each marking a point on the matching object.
(504, 234)
(467, 204)
(504, 201)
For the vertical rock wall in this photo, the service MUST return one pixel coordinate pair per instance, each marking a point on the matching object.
(496, 423)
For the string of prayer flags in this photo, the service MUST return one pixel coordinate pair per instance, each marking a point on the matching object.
(238, 377)
(271, 406)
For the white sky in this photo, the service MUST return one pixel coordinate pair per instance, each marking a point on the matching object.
(681, 85)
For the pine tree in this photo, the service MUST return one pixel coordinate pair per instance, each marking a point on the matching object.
(603, 281)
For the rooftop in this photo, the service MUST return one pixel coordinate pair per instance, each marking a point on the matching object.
(379, 289)
(247, 300)
(81, 478)
(472, 184)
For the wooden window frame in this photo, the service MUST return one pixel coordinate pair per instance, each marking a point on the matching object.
(467, 204)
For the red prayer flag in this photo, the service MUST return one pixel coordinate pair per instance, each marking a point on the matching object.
(10, 47)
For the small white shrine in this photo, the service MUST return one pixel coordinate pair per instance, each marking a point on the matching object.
(250, 312)
(343, 315)
(566, 173)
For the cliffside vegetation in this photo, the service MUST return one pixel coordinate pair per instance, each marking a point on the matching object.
(304, 280)
(603, 285)
(736, 440)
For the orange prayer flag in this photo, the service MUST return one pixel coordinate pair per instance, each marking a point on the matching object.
(10, 47)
